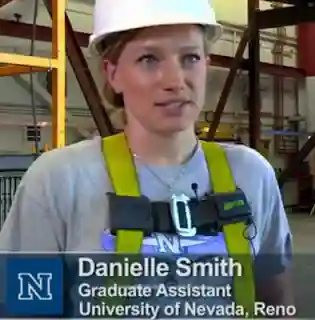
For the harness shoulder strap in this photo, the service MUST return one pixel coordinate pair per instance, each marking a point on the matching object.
(123, 176)
(239, 247)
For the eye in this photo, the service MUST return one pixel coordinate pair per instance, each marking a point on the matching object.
(191, 58)
(147, 59)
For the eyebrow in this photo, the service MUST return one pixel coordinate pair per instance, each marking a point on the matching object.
(183, 48)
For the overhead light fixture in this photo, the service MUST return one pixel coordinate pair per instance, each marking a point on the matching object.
(42, 124)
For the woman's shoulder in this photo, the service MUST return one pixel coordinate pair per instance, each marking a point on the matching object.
(253, 174)
(247, 160)
(58, 164)
(86, 150)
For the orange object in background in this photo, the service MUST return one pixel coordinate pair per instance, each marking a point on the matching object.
(45, 149)
(224, 131)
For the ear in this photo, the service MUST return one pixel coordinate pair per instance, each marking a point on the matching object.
(110, 70)
(208, 60)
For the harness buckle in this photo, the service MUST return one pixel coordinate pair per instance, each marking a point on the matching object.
(188, 230)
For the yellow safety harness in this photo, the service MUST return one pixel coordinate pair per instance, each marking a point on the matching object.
(123, 175)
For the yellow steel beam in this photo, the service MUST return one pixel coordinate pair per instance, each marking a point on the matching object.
(58, 74)
(22, 64)
(30, 61)
(12, 70)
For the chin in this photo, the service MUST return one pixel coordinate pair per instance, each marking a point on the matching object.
(174, 128)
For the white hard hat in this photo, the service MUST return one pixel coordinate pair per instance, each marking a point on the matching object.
(112, 16)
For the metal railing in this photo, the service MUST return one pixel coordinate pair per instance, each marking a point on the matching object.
(9, 181)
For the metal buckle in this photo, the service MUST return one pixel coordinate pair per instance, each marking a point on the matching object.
(189, 230)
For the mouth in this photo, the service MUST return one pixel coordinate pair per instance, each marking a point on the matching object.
(173, 108)
(175, 103)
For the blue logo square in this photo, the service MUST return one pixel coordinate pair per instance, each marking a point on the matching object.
(34, 286)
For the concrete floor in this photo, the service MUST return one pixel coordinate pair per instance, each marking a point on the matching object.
(303, 229)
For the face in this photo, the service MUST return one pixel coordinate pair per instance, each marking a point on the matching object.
(161, 74)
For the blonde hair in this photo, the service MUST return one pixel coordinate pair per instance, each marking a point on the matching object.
(110, 49)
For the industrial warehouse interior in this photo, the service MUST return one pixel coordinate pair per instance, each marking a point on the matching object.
(260, 93)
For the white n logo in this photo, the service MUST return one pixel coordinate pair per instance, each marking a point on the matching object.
(168, 244)
(35, 287)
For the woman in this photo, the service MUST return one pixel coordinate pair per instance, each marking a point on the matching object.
(155, 57)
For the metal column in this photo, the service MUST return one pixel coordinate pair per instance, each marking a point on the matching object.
(17, 63)
(59, 73)
(254, 104)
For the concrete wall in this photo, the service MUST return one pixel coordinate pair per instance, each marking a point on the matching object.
(13, 139)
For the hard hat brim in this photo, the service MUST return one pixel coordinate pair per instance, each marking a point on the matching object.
(213, 33)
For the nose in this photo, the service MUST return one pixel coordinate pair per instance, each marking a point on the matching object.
(173, 77)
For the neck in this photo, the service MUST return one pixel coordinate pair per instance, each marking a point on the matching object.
(157, 149)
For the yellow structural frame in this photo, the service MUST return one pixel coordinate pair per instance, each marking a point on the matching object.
(19, 64)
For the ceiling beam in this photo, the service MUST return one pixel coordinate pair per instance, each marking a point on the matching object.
(12, 70)
(292, 2)
(4, 2)
(287, 16)
(23, 30)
